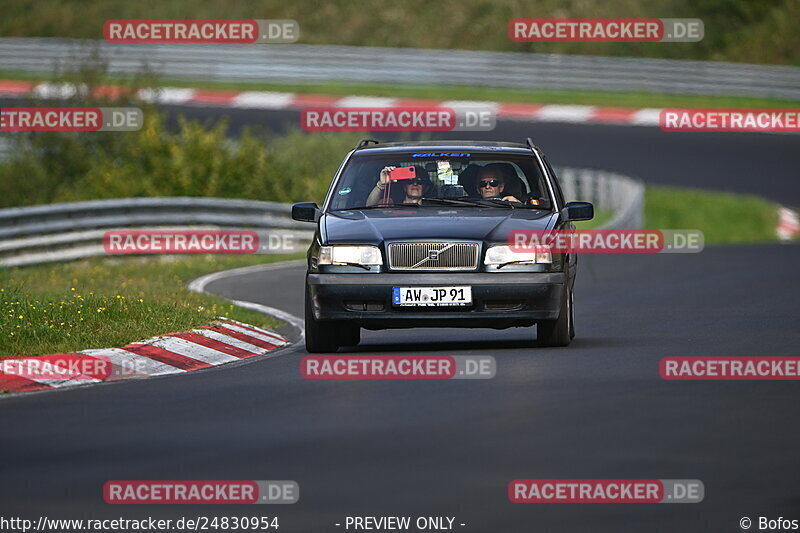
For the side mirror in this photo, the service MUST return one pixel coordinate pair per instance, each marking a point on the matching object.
(305, 212)
(578, 211)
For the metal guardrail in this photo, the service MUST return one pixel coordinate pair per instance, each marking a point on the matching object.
(63, 232)
(610, 192)
(58, 218)
(298, 63)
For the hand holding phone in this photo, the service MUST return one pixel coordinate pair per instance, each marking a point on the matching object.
(402, 173)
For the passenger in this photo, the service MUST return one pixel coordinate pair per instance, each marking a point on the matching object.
(414, 189)
(491, 184)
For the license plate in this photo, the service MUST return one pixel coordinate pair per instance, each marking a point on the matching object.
(431, 296)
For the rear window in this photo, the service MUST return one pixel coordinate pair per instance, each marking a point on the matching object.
(510, 177)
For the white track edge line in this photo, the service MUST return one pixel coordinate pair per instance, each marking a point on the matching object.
(199, 285)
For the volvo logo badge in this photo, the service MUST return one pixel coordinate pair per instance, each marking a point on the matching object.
(433, 255)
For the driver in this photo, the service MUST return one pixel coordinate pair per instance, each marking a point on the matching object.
(414, 189)
(491, 184)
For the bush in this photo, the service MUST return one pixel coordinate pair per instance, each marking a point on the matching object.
(192, 160)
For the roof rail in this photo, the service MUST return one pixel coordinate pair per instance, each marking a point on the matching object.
(365, 142)
(529, 142)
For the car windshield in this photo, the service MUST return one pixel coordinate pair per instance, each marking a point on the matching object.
(480, 180)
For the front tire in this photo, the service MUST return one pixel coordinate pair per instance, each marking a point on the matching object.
(572, 314)
(558, 332)
(321, 336)
(349, 335)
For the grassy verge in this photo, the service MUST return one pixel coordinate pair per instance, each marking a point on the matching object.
(724, 218)
(600, 218)
(108, 302)
(762, 31)
(461, 92)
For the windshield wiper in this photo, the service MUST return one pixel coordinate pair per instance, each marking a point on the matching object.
(487, 202)
(359, 265)
(453, 201)
(504, 203)
(479, 202)
(524, 262)
(495, 202)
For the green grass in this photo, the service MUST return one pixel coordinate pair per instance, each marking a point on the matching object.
(463, 92)
(109, 302)
(600, 218)
(724, 218)
(759, 31)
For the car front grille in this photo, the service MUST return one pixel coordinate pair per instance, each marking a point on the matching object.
(433, 256)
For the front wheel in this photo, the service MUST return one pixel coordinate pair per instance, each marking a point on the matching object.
(321, 337)
(572, 314)
(558, 332)
(349, 335)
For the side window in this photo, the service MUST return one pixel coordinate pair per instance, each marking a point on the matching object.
(522, 178)
(556, 185)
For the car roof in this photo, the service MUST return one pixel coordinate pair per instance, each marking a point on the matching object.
(443, 146)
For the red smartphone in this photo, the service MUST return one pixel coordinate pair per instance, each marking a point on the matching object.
(403, 173)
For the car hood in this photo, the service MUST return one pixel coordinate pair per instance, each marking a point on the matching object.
(374, 226)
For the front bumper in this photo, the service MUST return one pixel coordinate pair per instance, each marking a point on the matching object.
(499, 300)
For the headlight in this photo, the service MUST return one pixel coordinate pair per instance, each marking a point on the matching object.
(504, 255)
(343, 255)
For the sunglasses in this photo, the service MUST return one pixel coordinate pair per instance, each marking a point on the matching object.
(488, 183)
(416, 181)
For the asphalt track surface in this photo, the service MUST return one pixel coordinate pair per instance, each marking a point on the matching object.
(596, 409)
